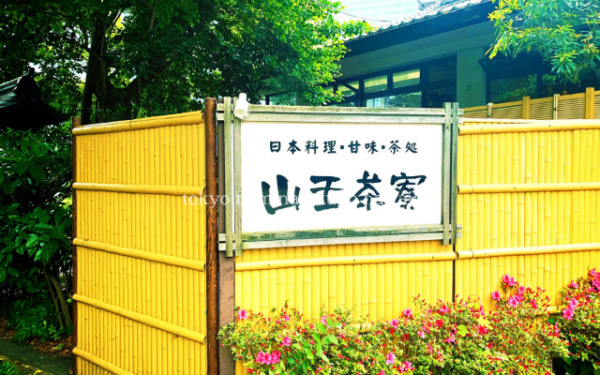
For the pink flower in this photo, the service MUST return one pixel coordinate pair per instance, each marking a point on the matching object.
(381, 372)
(521, 290)
(286, 341)
(390, 359)
(421, 334)
(594, 274)
(268, 359)
(573, 303)
(568, 313)
(450, 339)
(324, 319)
(496, 296)
(242, 314)
(394, 323)
(408, 313)
(513, 301)
(286, 317)
(508, 280)
(444, 310)
(596, 284)
(482, 330)
(573, 285)
(406, 366)
(439, 323)
(533, 304)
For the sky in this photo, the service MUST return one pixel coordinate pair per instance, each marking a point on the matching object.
(378, 12)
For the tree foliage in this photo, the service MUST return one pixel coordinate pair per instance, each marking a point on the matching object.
(150, 57)
(565, 32)
(35, 229)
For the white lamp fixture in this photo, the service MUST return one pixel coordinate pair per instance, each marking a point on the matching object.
(242, 108)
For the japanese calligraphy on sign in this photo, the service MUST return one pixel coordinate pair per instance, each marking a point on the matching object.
(318, 176)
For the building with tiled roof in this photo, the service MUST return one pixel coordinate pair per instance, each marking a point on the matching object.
(439, 55)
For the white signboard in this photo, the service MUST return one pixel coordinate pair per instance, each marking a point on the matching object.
(321, 176)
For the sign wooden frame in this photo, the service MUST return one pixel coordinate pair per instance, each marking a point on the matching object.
(234, 240)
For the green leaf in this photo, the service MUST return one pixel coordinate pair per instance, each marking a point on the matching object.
(322, 327)
(568, 359)
(13, 271)
(42, 227)
(333, 339)
(58, 216)
(32, 241)
(21, 166)
(309, 354)
(2, 274)
(37, 172)
(316, 337)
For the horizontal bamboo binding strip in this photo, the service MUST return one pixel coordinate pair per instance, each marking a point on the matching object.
(141, 254)
(143, 189)
(520, 188)
(540, 126)
(190, 118)
(144, 319)
(100, 362)
(343, 260)
(534, 250)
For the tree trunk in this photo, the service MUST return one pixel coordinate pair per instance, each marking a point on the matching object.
(93, 71)
(53, 295)
(61, 298)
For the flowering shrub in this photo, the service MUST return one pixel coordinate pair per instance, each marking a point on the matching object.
(285, 344)
(580, 320)
(442, 338)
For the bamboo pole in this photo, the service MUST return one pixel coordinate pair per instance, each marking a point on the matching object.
(590, 97)
(343, 260)
(525, 250)
(524, 187)
(525, 108)
(211, 238)
(539, 126)
(74, 154)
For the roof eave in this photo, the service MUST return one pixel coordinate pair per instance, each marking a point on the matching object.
(429, 26)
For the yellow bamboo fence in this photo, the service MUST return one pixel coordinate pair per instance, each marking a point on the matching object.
(558, 107)
(528, 204)
(527, 201)
(141, 251)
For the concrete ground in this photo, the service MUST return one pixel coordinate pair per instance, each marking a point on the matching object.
(25, 354)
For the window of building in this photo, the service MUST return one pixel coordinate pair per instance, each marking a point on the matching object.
(406, 78)
(512, 89)
(347, 91)
(376, 84)
(429, 84)
(407, 100)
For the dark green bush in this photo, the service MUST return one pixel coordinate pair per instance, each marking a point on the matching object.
(35, 230)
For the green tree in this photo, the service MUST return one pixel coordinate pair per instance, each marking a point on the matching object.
(565, 32)
(35, 228)
(149, 57)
